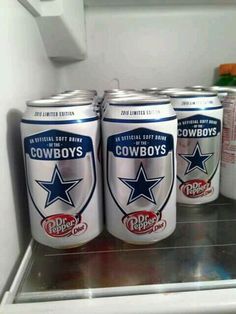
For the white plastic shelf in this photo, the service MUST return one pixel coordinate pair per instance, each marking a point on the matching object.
(198, 260)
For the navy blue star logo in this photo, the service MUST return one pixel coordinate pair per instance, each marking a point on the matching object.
(58, 189)
(196, 160)
(141, 186)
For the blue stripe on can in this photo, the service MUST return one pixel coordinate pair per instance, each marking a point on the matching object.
(139, 121)
(59, 122)
(197, 109)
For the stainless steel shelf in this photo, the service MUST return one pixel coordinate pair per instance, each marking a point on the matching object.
(199, 255)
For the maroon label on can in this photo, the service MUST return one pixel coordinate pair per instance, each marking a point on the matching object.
(63, 225)
(142, 222)
(196, 188)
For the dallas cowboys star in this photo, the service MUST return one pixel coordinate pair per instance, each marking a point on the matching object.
(141, 186)
(58, 189)
(196, 160)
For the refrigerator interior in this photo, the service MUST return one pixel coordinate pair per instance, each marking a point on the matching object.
(129, 44)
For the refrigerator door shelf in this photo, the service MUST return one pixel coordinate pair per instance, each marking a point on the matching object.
(192, 271)
(62, 27)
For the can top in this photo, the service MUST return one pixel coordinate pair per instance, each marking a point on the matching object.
(221, 89)
(62, 97)
(126, 95)
(171, 90)
(57, 102)
(140, 101)
(87, 91)
(151, 89)
(196, 88)
(192, 94)
(117, 90)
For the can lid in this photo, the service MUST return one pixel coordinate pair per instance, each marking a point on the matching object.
(140, 101)
(57, 103)
(192, 94)
(151, 89)
(88, 91)
(196, 88)
(219, 89)
(115, 90)
(171, 90)
(126, 95)
(61, 97)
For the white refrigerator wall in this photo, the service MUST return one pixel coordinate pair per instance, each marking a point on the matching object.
(142, 46)
(26, 73)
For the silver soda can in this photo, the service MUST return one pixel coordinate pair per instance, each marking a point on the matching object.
(199, 146)
(61, 143)
(139, 141)
(228, 163)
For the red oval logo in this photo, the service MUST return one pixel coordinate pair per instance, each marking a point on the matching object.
(59, 225)
(141, 222)
(196, 188)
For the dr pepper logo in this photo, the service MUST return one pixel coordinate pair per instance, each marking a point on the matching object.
(62, 225)
(196, 188)
(142, 222)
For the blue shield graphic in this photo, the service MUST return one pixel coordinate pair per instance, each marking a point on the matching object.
(60, 171)
(140, 169)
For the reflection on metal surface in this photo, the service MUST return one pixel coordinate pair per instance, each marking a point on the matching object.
(199, 255)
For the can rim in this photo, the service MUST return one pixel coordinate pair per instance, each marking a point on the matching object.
(222, 89)
(151, 89)
(192, 94)
(56, 103)
(117, 90)
(88, 91)
(140, 101)
(196, 87)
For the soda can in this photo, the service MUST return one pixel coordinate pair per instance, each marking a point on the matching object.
(139, 145)
(61, 142)
(199, 146)
(228, 163)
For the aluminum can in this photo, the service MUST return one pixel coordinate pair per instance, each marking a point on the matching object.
(61, 143)
(228, 163)
(199, 146)
(139, 141)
